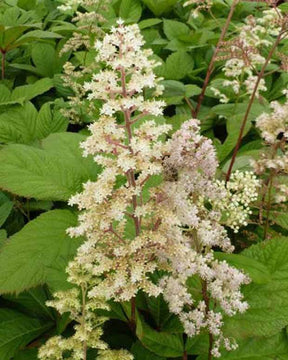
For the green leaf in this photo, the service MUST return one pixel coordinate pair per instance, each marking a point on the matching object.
(26, 67)
(28, 255)
(49, 122)
(177, 120)
(5, 210)
(243, 162)
(31, 302)
(45, 59)
(158, 309)
(28, 92)
(259, 349)
(192, 90)
(160, 7)
(160, 343)
(174, 91)
(280, 218)
(130, 10)
(22, 124)
(235, 114)
(174, 29)
(68, 144)
(268, 303)
(149, 23)
(18, 125)
(37, 34)
(178, 65)
(27, 4)
(141, 353)
(4, 94)
(257, 271)
(29, 354)
(17, 330)
(10, 34)
(53, 173)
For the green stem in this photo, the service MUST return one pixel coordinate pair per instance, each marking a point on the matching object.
(83, 320)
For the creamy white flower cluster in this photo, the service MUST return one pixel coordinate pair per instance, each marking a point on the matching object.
(88, 328)
(230, 202)
(125, 150)
(133, 228)
(198, 200)
(273, 127)
(241, 191)
(275, 123)
(88, 24)
(245, 55)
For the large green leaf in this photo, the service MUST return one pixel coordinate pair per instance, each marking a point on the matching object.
(174, 29)
(28, 255)
(17, 330)
(34, 35)
(31, 302)
(268, 303)
(235, 114)
(141, 353)
(5, 209)
(159, 7)
(53, 173)
(49, 121)
(160, 343)
(257, 271)
(28, 92)
(130, 10)
(18, 125)
(68, 144)
(45, 59)
(271, 348)
(28, 354)
(24, 93)
(259, 349)
(280, 218)
(10, 34)
(22, 124)
(177, 66)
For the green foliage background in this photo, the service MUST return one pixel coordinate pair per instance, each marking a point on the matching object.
(42, 166)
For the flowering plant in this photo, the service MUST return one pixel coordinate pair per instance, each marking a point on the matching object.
(143, 170)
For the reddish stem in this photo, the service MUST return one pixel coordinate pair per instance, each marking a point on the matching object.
(211, 65)
(206, 299)
(133, 314)
(244, 121)
(185, 356)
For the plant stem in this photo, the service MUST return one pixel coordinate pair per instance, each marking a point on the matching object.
(211, 64)
(185, 356)
(83, 320)
(244, 121)
(188, 102)
(131, 180)
(207, 303)
(3, 52)
(133, 314)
